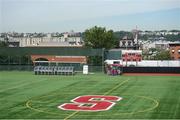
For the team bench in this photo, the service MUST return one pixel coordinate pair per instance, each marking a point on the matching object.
(54, 70)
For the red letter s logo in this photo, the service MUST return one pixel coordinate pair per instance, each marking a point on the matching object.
(90, 103)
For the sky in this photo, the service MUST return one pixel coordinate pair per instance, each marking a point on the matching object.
(79, 15)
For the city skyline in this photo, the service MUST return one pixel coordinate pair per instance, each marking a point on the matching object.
(78, 15)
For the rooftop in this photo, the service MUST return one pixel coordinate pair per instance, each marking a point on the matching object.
(173, 44)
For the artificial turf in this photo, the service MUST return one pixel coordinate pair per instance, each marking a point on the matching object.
(24, 95)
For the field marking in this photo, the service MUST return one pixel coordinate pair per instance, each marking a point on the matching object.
(29, 104)
(116, 87)
(109, 91)
(150, 98)
(156, 103)
(71, 115)
(149, 109)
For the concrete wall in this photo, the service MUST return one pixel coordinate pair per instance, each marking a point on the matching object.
(148, 63)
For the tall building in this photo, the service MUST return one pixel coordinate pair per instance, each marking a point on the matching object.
(130, 43)
(71, 39)
(127, 43)
(66, 40)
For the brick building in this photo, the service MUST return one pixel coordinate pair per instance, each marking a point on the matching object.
(60, 59)
(175, 51)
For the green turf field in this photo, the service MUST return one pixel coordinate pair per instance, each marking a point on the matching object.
(25, 95)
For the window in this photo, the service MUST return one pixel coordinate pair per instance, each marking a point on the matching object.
(116, 62)
(123, 43)
(179, 51)
(129, 43)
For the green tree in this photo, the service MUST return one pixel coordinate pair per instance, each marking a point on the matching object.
(163, 55)
(99, 37)
(3, 44)
(118, 35)
(173, 37)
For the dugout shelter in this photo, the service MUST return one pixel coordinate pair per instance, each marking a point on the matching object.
(13, 58)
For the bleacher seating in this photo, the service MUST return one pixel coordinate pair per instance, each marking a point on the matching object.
(54, 70)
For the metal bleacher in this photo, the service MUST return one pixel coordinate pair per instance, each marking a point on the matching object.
(54, 70)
